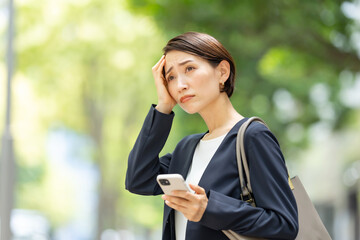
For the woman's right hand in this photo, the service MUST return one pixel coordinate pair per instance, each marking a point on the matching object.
(165, 102)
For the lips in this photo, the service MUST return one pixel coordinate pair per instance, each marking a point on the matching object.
(186, 98)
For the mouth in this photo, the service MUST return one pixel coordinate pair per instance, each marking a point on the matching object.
(186, 98)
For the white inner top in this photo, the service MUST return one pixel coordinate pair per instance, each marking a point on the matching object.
(204, 151)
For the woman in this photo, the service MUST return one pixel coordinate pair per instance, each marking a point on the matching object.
(198, 73)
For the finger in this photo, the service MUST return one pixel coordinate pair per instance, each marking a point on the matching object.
(197, 189)
(179, 204)
(158, 70)
(162, 57)
(175, 206)
(161, 60)
(174, 199)
(161, 68)
(180, 193)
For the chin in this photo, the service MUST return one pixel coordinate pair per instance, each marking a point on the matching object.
(189, 110)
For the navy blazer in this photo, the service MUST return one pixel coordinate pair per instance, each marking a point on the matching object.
(275, 215)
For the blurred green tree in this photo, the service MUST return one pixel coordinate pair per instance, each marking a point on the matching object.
(284, 51)
(86, 66)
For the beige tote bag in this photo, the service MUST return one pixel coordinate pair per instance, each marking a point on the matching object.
(310, 224)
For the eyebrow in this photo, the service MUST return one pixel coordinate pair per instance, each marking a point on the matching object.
(182, 63)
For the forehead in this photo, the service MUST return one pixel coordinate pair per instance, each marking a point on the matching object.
(174, 58)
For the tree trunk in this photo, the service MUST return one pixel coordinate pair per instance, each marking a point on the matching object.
(107, 195)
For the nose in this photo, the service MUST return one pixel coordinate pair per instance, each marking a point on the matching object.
(182, 83)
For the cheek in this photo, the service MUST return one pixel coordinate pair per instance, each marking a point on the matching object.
(205, 77)
(208, 83)
(171, 90)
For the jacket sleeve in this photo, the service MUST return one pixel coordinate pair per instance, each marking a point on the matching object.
(275, 215)
(144, 163)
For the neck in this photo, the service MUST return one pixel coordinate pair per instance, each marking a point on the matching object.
(220, 116)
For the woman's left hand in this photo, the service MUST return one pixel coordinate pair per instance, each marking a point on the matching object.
(192, 205)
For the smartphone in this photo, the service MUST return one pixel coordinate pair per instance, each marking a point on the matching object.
(171, 182)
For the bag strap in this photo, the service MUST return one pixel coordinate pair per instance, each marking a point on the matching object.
(246, 190)
(242, 160)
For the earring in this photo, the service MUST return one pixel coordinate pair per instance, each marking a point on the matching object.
(222, 86)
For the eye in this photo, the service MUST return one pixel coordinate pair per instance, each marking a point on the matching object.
(170, 78)
(188, 69)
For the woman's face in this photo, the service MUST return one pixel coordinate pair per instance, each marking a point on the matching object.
(192, 81)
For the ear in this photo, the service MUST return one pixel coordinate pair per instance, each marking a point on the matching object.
(224, 70)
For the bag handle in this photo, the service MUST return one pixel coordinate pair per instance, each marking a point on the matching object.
(242, 160)
(241, 157)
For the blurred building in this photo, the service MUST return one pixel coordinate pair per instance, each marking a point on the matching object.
(331, 177)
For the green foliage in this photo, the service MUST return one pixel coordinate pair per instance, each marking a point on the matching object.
(82, 65)
(86, 65)
(276, 45)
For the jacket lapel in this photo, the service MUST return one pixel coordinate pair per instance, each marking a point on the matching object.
(218, 158)
(188, 153)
